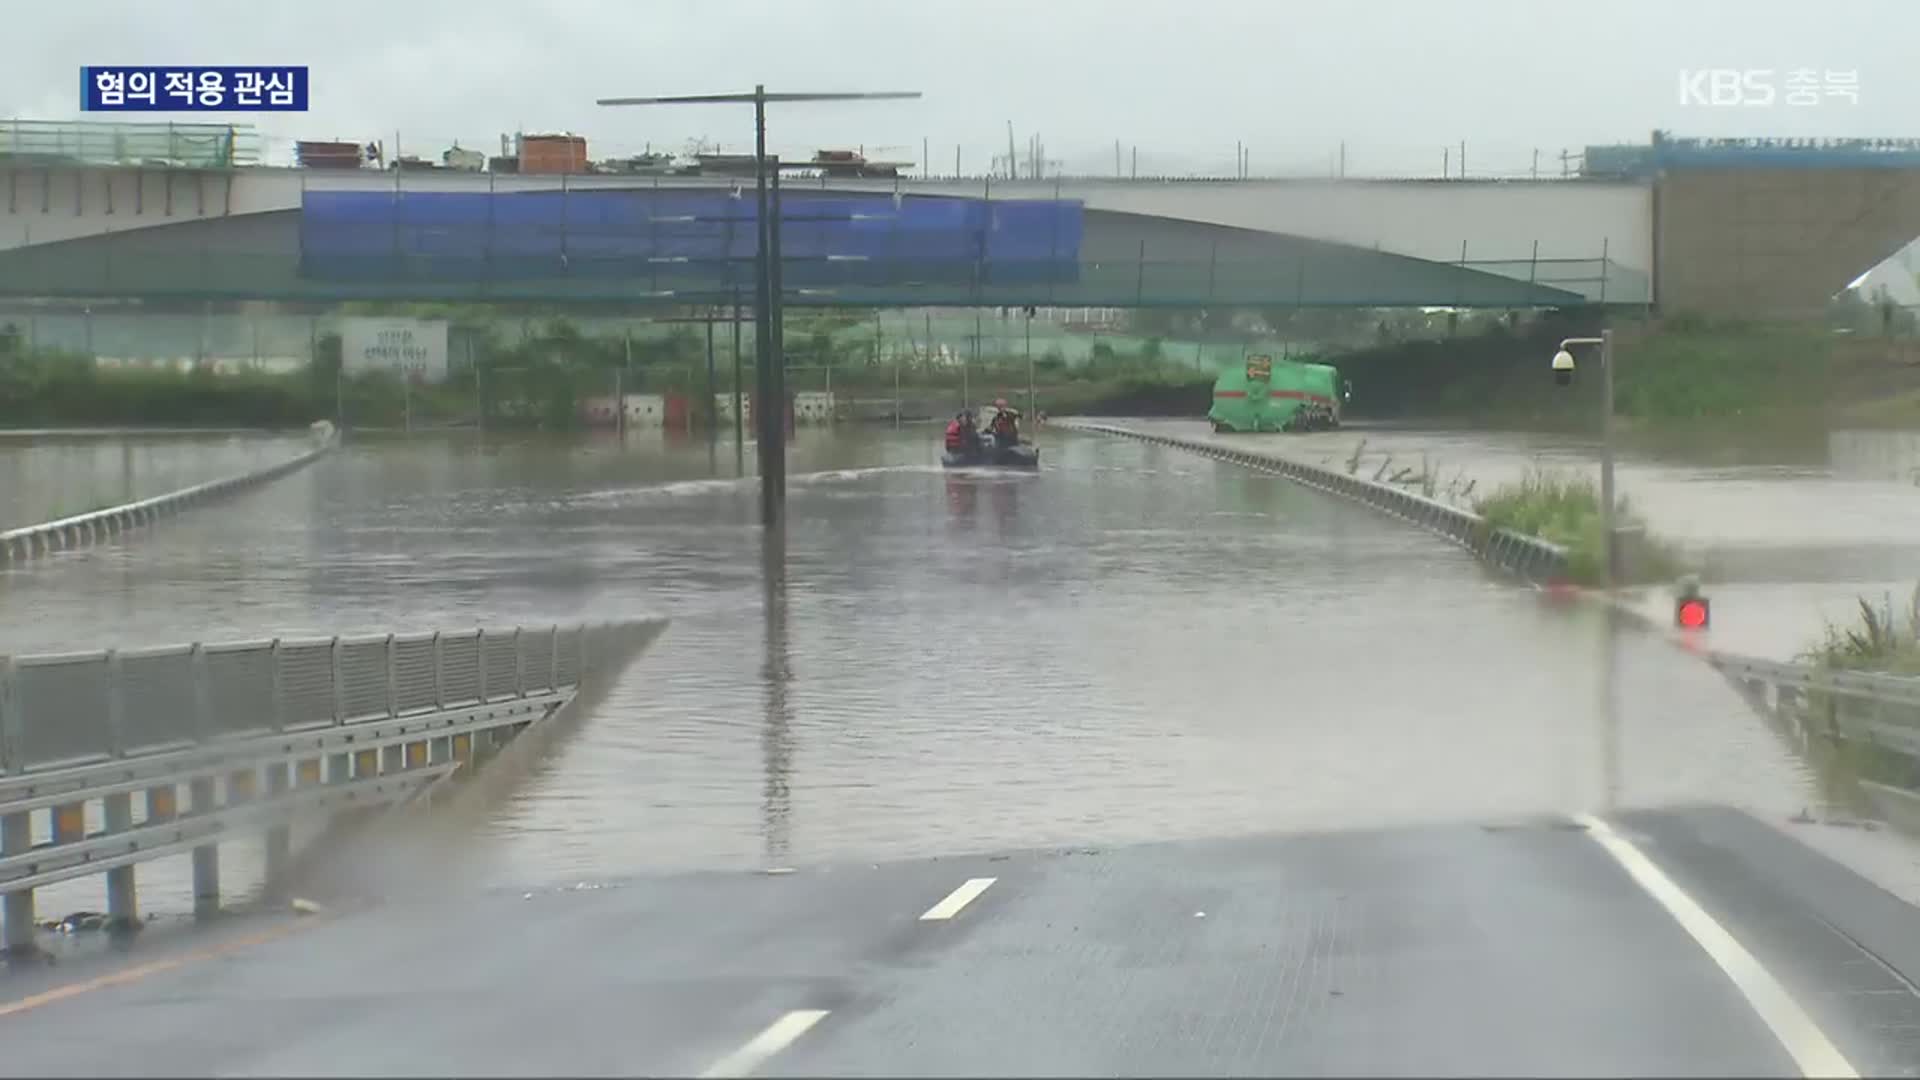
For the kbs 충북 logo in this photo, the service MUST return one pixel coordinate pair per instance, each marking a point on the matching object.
(160, 88)
(1765, 87)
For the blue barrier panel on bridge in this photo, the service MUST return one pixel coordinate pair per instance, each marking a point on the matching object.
(826, 237)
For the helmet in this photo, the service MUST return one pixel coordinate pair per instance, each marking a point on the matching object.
(1000, 403)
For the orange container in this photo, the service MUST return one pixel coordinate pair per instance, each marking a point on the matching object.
(550, 154)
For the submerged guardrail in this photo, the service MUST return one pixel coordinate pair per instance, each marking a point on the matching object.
(1528, 556)
(1869, 711)
(31, 541)
(257, 734)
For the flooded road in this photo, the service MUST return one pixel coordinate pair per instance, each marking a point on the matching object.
(1789, 527)
(1133, 643)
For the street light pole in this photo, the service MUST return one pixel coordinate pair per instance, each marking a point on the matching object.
(1609, 567)
(770, 412)
(762, 316)
(1606, 456)
(775, 431)
(1032, 410)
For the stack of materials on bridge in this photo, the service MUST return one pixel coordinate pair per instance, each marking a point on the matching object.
(328, 155)
(551, 154)
(853, 163)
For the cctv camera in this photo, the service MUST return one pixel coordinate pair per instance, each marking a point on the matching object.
(1562, 367)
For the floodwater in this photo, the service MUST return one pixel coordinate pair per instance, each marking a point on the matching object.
(46, 475)
(1133, 643)
(1790, 528)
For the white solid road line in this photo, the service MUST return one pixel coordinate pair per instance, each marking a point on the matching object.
(958, 898)
(1811, 1049)
(778, 1036)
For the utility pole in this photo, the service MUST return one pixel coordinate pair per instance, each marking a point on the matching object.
(739, 419)
(769, 409)
(712, 409)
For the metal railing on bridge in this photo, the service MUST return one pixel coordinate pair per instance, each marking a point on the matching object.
(161, 145)
(97, 747)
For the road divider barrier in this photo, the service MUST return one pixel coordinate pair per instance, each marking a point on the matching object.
(32, 541)
(1526, 556)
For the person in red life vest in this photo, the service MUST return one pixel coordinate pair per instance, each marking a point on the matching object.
(961, 433)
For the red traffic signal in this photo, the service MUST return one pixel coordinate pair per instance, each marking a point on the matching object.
(1692, 613)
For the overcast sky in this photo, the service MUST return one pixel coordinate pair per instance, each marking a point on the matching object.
(1397, 80)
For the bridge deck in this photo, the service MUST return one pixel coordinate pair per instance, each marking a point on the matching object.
(1516, 948)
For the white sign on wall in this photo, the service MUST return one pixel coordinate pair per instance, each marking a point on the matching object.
(415, 346)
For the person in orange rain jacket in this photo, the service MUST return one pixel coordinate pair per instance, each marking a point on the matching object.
(1005, 425)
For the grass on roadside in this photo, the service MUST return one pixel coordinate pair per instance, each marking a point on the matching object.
(1874, 642)
(1564, 509)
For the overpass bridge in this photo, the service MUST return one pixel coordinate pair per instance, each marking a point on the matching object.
(290, 234)
(1753, 227)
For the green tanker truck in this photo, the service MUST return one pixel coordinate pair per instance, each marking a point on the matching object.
(1285, 396)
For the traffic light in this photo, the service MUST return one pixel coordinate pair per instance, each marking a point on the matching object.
(1692, 613)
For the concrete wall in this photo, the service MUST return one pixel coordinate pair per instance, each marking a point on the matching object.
(44, 206)
(1757, 243)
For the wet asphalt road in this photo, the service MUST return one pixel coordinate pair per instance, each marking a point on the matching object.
(1515, 947)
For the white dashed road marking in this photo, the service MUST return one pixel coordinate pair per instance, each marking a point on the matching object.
(958, 898)
(777, 1037)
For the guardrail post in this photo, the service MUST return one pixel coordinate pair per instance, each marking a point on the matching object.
(440, 749)
(16, 830)
(480, 661)
(339, 766)
(279, 837)
(335, 683)
(393, 682)
(553, 660)
(519, 666)
(279, 718)
(123, 908)
(202, 703)
(16, 908)
(11, 729)
(206, 857)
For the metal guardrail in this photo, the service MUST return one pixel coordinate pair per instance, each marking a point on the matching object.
(1527, 556)
(257, 733)
(1805, 679)
(29, 541)
(1855, 709)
